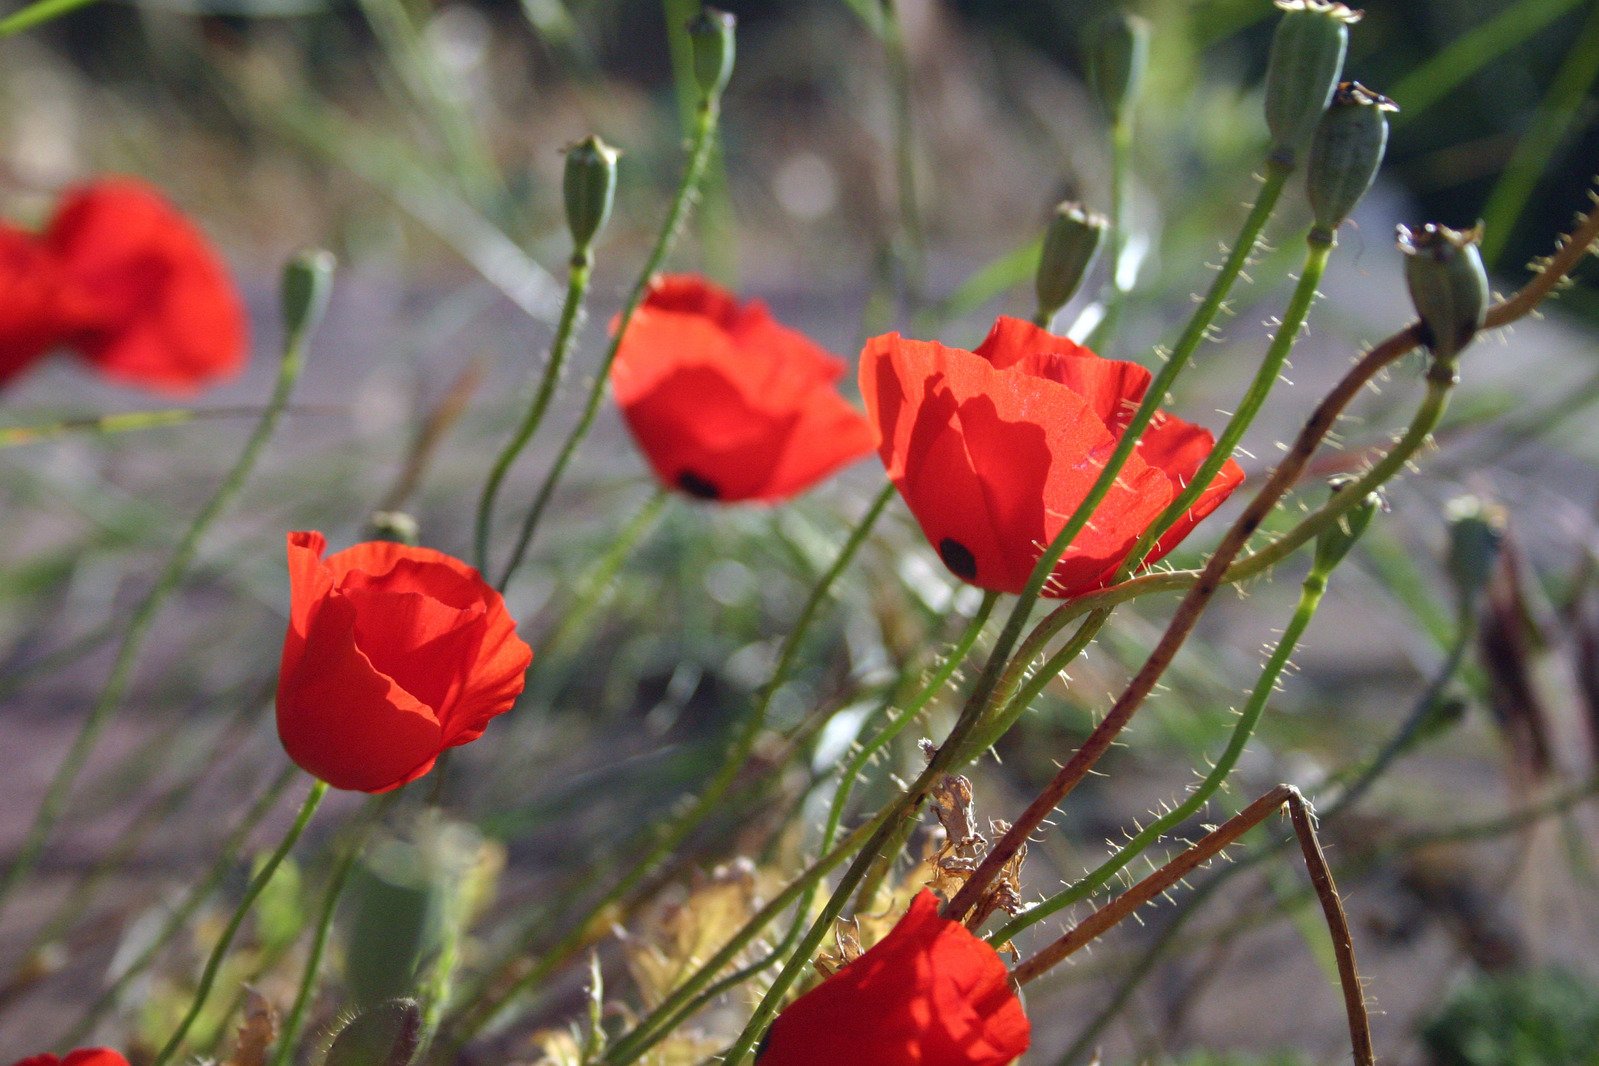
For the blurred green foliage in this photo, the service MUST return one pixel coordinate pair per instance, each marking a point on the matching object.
(1546, 1017)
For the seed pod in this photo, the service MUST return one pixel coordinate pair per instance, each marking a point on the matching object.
(385, 1035)
(1345, 153)
(307, 284)
(1307, 56)
(1335, 541)
(589, 188)
(1070, 244)
(1447, 283)
(1117, 58)
(1476, 534)
(712, 37)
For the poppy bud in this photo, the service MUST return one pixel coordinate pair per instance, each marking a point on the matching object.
(385, 1035)
(1070, 244)
(1476, 533)
(395, 526)
(307, 283)
(1447, 283)
(1307, 56)
(1345, 154)
(1336, 540)
(1117, 58)
(711, 36)
(590, 188)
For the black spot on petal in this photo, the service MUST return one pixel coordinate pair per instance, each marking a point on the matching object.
(958, 558)
(694, 485)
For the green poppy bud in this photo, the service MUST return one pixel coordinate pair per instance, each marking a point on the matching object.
(712, 38)
(1307, 56)
(1336, 540)
(1476, 533)
(1345, 154)
(307, 284)
(1447, 283)
(395, 526)
(385, 1035)
(589, 188)
(1070, 244)
(1116, 60)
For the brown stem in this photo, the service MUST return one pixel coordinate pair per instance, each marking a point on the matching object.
(1570, 253)
(1092, 927)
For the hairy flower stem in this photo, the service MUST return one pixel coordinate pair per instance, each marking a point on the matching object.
(1121, 152)
(577, 284)
(671, 834)
(1310, 596)
(704, 138)
(213, 964)
(693, 993)
(143, 618)
(289, 1033)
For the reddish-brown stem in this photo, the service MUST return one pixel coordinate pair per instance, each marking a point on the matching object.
(1211, 845)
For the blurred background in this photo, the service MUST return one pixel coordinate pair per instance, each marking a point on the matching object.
(422, 143)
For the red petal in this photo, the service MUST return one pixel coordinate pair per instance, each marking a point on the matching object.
(1180, 448)
(1112, 388)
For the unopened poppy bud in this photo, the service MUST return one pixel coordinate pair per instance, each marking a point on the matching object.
(1336, 540)
(1447, 283)
(590, 188)
(1117, 58)
(1070, 244)
(395, 526)
(307, 283)
(1345, 154)
(385, 1035)
(711, 35)
(1476, 533)
(1307, 56)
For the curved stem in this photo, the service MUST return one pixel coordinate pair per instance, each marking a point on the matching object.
(144, 615)
(699, 153)
(208, 977)
(577, 284)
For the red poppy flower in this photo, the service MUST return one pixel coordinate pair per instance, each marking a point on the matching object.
(159, 308)
(393, 654)
(37, 309)
(993, 450)
(928, 994)
(726, 403)
(84, 1056)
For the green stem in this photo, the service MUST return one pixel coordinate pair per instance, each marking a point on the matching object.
(144, 615)
(38, 13)
(1310, 596)
(290, 1030)
(910, 215)
(197, 895)
(592, 585)
(699, 152)
(1121, 151)
(578, 273)
(670, 835)
(257, 885)
(688, 998)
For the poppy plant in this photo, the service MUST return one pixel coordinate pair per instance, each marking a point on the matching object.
(928, 994)
(994, 449)
(122, 277)
(83, 1056)
(393, 654)
(726, 403)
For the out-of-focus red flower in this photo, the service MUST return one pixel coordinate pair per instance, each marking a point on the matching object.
(993, 450)
(929, 994)
(726, 403)
(393, 654)
(83, 1056)
(38, 309)
(162, 311)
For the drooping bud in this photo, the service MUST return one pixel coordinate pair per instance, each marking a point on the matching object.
(1476, 533)
(1070, 244)
(1118, 54)
(1336, 540)
(589, 188)
(307, 284)
(711, 35)
(1345, 154)
(1307, 57)
(385, 1035)
(1447, 283)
